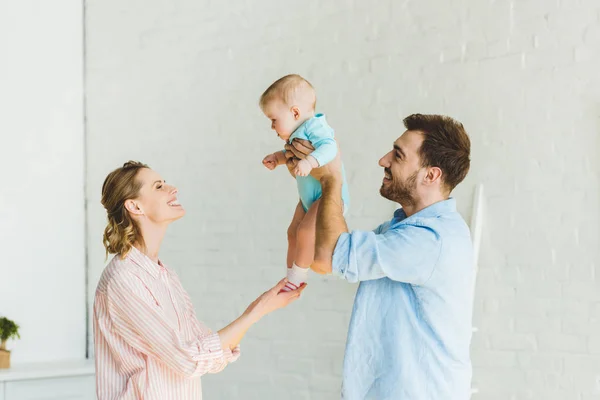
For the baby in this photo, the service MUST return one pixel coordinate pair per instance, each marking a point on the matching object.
(290, 105)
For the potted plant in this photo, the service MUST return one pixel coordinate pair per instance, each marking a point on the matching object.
(8, 330)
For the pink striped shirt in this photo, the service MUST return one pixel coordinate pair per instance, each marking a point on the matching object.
(148, 342)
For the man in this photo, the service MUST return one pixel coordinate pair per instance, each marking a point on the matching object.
(410, 330)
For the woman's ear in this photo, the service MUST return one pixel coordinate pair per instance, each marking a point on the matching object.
(133, 207)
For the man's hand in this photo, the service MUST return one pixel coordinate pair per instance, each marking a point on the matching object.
(270, 161)
(298, 150)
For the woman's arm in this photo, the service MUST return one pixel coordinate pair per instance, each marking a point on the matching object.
(135, 318)
(268, 302)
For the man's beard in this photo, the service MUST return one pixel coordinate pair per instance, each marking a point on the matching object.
(401, 192)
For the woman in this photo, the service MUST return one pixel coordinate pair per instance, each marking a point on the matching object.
(148, 342)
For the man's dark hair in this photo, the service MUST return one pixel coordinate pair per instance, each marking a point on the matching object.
(446, 145)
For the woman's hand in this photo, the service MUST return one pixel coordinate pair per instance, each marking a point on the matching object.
(272, 300)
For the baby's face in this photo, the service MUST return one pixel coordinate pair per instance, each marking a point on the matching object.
(283, 119)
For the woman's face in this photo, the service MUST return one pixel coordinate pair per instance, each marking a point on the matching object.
(157, 200)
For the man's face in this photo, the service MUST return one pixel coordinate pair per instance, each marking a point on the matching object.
(402, 169)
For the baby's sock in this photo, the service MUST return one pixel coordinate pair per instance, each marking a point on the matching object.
(296, 276)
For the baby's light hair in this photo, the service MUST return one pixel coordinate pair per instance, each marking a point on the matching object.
(292, 90)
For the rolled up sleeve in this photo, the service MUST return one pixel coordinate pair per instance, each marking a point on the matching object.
(147, 331)
(407, 253)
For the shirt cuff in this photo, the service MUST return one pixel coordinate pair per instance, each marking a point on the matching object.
(209, 347)
(341, 256)
(313, 161)
(232, 355)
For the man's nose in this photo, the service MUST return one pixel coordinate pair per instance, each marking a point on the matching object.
(385, 161)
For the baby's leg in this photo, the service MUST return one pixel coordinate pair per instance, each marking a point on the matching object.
(305, 249)
(291, 233)
(305, 237)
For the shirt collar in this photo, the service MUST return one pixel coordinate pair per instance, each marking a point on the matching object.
(433, 211)
(306, 125)
(298, 131)
(145, 262)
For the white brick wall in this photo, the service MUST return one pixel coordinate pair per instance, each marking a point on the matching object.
(42, 218)
(175, 84)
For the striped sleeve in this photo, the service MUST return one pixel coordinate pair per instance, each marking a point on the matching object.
(230, 355)
(137, 319)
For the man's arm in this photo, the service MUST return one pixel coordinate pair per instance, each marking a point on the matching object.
(407, 253)
(330, 219)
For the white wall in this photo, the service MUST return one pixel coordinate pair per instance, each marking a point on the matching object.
(42, 224)
(175, 84)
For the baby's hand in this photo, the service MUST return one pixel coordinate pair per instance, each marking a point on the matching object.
(270, 161)
(303, 168)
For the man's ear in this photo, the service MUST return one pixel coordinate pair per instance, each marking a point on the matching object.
(434, 174)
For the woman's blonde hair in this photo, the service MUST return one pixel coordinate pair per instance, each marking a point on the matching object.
(120, 185)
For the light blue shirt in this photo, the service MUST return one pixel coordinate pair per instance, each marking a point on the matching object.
(410, 329)
(321, 136)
